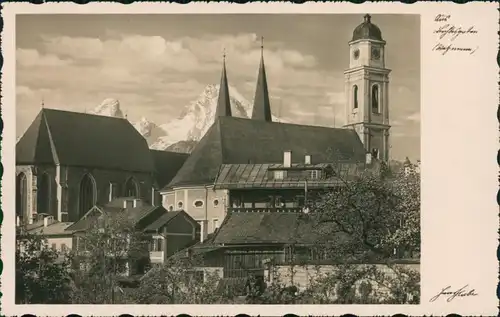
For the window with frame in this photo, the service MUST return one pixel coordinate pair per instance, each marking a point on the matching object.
(198, 203)
(180, 204)
(279, 174)
(355, 97)
(54, 246)
(375, 99)
(64, 248)
(314, 174)
(216, 224)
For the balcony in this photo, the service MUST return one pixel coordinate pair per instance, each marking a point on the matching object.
(156, 256)
(265, 209)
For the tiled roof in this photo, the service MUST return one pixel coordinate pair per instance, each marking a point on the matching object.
(78, 139)
(268, 228)
(141, 215)
(167, 164)
(162, 220)
(240, 176)
(55, 228)
(233, 140)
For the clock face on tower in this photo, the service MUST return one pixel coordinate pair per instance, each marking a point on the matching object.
(355, 54)
(375, 53)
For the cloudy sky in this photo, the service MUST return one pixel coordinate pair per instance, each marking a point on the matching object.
(156, 64)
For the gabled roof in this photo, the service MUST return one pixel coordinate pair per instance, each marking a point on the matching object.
(232, 140)
(167, 164)
(141, 215)
(223, 103)
(268, 228)
(79, 139)
(261, 103)
(165, 218)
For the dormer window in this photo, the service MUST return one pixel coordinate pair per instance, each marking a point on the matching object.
(314, 174)
(279, 175)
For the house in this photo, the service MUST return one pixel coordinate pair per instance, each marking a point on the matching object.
(166, 231)
(171, 232)
(259, 140)
(58, 238)
(285, 187)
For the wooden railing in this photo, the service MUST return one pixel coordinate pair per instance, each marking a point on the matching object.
(269, 209)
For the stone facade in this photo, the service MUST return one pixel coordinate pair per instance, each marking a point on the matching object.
(63, 189)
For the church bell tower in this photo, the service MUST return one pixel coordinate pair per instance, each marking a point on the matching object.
(367, 89)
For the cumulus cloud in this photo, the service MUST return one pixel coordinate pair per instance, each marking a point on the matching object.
(31, 57)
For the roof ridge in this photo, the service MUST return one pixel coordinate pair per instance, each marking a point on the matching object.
(53, 148)
(83, 113)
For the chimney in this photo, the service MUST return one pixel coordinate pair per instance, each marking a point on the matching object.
(307, 159)
(128, 203)
(204, 230)
(137, 203)
(47, 221)
(287, 159)
(368, 158)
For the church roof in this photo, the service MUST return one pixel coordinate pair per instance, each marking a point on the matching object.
(261, 104)
(232, 140)
(367, 31)
(78, 139)
(167, 164)
(223, 103)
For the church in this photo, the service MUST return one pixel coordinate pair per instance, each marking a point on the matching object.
(67, 162)
(259, 140)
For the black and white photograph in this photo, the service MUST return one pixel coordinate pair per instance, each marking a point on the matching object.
(195, 159)
(242, 159)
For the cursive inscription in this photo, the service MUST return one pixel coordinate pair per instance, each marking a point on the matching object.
(448, 33)
(450, 294)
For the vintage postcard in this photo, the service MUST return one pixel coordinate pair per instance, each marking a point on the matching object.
(261, 158)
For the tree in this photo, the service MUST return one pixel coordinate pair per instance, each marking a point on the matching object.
(377, 212)
(42, 274)
(178, 281)
(111, 249)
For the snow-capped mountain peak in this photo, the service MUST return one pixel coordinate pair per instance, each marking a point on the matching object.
(144, 126)
(109, 107)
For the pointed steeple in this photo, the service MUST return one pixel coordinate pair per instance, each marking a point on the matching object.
(223, 103)
(261, 104)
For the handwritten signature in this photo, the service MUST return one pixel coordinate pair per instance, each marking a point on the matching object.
(451, 295)
(450, 32)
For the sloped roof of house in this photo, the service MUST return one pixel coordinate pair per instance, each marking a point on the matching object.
(241, 176)
(166, 218)
(232, 140)
(53, 229)
(268, 228)
(167, 164)
(141, 215)
(79, 139)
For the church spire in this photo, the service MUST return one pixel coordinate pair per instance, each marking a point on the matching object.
(261, 104)
(224, 103)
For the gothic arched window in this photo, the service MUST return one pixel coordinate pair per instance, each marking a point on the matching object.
(131, 188)
(21, 196)
(375, 99)
(355, 96)
(88, 195)
(43, 195)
